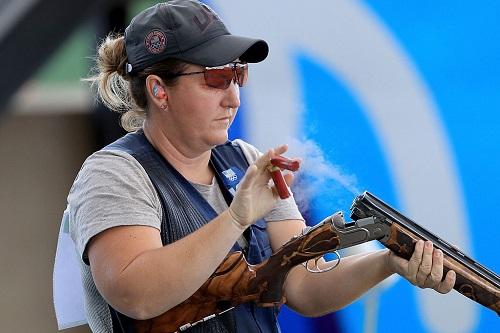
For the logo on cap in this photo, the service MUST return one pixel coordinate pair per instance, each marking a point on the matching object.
(155, 41)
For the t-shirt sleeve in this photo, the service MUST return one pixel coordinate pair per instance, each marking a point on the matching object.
(112, 189)
(284, 209)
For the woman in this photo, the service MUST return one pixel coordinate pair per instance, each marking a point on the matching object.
(155, 213)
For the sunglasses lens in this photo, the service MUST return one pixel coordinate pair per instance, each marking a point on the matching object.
(241, 74)
(221, 78)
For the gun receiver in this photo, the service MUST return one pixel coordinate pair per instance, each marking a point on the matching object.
(473, 280)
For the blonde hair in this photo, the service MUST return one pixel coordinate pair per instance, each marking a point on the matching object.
(125, 93)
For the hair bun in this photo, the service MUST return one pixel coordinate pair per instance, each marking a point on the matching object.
(112, 55)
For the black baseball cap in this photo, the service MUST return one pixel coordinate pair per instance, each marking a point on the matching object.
(187, 30)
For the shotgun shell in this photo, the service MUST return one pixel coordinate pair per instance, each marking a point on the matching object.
(285, 163)
(279, 182)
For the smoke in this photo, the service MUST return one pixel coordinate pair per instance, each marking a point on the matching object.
(317, 175)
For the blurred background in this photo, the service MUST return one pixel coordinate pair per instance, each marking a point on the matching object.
(401, 98)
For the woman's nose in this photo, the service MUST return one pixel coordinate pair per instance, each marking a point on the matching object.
(232, 96)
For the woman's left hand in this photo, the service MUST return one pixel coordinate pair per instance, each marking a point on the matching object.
(424, 269)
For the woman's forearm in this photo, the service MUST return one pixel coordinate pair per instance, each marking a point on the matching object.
(315, 294)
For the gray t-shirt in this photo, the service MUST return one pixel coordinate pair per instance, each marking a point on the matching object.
(112, 189)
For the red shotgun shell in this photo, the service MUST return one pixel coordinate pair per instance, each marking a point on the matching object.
(279, 182)
(286, 163)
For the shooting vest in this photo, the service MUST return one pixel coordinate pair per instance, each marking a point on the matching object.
(185, 210)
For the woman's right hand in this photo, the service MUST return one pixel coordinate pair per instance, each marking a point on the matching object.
(255, 196)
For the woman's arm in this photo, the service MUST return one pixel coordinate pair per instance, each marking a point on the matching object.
(142, 279)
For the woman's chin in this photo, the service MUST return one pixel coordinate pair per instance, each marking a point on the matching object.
(223, 138)
(219, 139)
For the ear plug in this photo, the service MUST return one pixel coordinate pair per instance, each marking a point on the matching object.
(158, 91)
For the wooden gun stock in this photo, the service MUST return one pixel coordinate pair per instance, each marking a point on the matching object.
(236, 282)
(473, 280)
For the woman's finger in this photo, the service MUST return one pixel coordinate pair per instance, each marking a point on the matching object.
(414, 262)
(425, 268)
(436, 274)
(447, 284)
(281, 149)
(278, 150)
(263, 161)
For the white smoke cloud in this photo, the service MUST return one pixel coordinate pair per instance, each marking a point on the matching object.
(317, 174)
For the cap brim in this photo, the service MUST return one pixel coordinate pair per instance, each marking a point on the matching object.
(226, 48)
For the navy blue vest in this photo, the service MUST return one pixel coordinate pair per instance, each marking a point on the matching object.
(185, 210)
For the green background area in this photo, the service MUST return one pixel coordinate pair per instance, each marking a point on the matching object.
(73, 59)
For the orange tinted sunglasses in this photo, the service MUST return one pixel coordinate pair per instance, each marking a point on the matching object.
(222, 76)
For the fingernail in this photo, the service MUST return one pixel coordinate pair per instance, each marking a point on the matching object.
(428, 244)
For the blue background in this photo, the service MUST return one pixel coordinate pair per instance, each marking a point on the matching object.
(455, 46)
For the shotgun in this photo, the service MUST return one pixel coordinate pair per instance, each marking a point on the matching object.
(235, 281)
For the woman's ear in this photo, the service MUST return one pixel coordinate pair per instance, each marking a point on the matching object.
(156, 91)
